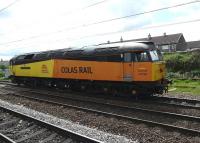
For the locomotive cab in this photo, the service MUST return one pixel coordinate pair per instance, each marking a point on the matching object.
(145, 68)
(145, 65)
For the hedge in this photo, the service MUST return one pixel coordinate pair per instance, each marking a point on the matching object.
(187, 63)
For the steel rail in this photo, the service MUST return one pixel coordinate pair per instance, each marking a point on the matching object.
(179, 100)
(5, 81)
(174, 105)
(191, 132)
(60, 130)
(168, 114)
(6, 139)
(151, 101)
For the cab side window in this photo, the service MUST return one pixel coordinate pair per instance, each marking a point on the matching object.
(141, 57)
(134, 57)
(127, 57)
(144, 57)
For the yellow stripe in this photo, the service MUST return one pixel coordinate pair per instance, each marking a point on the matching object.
(36, 69)
(158, 71)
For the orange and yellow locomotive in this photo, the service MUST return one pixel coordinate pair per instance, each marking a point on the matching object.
(128, 67)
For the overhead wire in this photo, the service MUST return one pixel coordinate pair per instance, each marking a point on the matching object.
(94, 4)
(100, 22)
(148, 27)
(75, 10)
(9, 5)
(120, 31)
(142, 13)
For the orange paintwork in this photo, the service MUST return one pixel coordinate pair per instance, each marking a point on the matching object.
(108, 71)
(128, 71)
(90, 70)
(142, 71)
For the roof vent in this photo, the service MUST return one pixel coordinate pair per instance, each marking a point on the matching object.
(149, 36)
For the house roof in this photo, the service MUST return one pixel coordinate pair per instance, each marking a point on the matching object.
(162, 40)
(193, 44)
(158, 40)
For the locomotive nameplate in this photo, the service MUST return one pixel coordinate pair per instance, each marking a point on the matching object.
(87, 70)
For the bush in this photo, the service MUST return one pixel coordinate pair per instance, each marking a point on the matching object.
(3, 67)
(1, 74)
(183, 64)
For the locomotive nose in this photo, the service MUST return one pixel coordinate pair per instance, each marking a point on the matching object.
(158, 71)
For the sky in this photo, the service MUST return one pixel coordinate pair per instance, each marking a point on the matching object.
(40, 25)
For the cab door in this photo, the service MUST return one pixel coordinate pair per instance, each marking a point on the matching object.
(127, 67)
(142, 66)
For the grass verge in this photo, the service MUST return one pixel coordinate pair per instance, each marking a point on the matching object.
(188, 86)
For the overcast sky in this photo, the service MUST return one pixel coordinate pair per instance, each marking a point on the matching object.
(38, 25)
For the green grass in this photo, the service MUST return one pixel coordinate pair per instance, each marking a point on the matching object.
(3, 78)
(191, 87)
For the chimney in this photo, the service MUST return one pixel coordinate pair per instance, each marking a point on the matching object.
(149, 36)
(164, 34)
(121, 39)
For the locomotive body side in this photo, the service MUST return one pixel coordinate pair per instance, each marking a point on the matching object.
(109, 71)
(136, 68)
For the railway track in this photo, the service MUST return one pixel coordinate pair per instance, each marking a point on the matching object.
(23, 128)
(180, 104)
(193, 103)
(167, 101)
(150, 117)
(17, 127)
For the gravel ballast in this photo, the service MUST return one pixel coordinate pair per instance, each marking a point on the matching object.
(182, 95)
(93, 133)
(137, 132)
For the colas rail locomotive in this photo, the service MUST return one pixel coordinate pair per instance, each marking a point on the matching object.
(135, 68)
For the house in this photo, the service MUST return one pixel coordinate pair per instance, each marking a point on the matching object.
(193, 45)
(167, 43)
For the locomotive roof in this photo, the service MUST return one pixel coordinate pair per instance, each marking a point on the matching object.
(123, 46)
(95, 50)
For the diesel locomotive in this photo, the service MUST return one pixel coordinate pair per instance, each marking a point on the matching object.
(135, 68)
